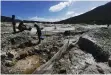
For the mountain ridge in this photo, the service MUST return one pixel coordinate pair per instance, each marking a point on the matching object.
(100, 14)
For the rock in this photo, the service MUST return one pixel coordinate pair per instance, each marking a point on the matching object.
(52, 53)
(60, 44)
(109, 61)
(44, 61)
(19, 38)
(55, 48)
(21, 46)
(100, 70)
(12, 41)
(45, 56)
(4, 69)
(3, 55)
(103, 68)
(66, 33)
(71, 45)
(8, 63)
(59, 41)
(10, 55)
(37, 50)
(90, 70)
(26, 44)
(48, 51)
(61, 60)
(62, 71)
(22, 54)
(87, 44)
(30, 52)
(34, 37)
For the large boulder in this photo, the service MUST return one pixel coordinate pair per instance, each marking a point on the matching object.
(87, 44)
(97, 42)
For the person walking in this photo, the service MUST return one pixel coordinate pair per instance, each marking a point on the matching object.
(38, 32)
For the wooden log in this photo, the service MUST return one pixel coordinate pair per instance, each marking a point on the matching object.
(44, 68)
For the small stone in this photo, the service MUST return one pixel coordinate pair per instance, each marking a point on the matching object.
(44, 61)
(55, 48)
(10, 55)
(36, 50)
(8, 63)
(60, 44)
(59, 40)
(21, 55)
(100, 69)
(30, 52)
(3, 56)
(44, 54)
(66, 33)
(62, 71)
(61, 60)
(52, 53)
(71, 45)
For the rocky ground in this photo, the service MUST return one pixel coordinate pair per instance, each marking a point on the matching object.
(88, 50)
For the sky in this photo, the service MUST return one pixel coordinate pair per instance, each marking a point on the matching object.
(47, 10)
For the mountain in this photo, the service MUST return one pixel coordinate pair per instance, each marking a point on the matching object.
(99, 15)
(9, 19)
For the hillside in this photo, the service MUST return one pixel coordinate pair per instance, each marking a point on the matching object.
(99, 15)
(8, 19)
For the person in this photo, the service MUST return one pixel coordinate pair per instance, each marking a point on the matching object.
(23, 27)
(13, 23)
(38, 32)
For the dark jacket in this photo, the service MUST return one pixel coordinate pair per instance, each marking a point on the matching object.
(21, 26)
(38, 29)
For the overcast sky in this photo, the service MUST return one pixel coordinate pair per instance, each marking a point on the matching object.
(47, 10)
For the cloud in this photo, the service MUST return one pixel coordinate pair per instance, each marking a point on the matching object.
(76, 14)
(18, 17)
(45, 19)
(72, 14)
(60, 6)
(66, 15)
(93, 8)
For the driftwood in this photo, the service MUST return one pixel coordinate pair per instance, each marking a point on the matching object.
(44, 68)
